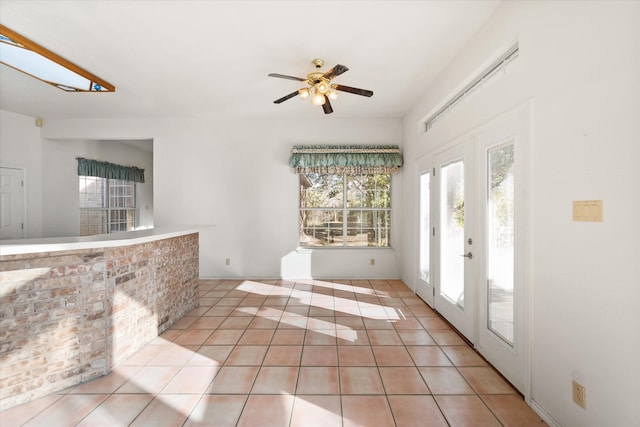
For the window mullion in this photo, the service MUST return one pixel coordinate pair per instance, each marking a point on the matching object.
(116, 200)
(345, 210)
(108, 205)
(362, 225)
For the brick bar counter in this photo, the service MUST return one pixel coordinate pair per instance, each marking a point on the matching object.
(72, 309)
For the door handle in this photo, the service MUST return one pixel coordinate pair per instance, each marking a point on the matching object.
(469, 255)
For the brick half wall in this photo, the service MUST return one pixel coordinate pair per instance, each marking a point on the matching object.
(69, 317)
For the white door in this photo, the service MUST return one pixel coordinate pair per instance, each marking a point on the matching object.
(477, 216)
(11, 203)
(454, 237)
(502, 287)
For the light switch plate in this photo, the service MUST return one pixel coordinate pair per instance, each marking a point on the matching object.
(587, 210)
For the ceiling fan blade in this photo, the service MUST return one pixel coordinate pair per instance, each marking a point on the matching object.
(284, 98)
(355, 90)
(282, 76)
(335, 71)
(327, 106)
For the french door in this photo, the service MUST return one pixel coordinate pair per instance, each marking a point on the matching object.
(454, 237)
(473, 234)
(502, 182)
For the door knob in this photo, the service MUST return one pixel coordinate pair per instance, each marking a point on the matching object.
(469, 255)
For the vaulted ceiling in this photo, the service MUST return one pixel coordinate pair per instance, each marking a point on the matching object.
(211, 58)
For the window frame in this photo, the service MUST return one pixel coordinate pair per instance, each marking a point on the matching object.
(345, 210)
(109, 209)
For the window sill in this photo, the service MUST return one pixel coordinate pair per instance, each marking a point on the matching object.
(305, 249)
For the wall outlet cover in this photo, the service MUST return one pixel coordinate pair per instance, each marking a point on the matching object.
(579, 394)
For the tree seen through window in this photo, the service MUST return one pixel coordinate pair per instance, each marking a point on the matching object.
(345, 210)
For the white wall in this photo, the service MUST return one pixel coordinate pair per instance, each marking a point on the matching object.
(234, 174)
(580, 65)
(20, 148)
(60, 201)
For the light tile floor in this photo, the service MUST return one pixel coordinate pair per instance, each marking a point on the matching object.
(308, 353)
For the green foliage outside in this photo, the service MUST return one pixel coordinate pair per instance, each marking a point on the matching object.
(323, 212)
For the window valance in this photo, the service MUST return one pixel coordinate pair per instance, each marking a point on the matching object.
(350, 159)
(88, 167)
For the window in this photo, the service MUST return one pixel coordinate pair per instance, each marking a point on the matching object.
(425, 227)
(106, 205)
(36, 61)
(345, 210)
(345, 194)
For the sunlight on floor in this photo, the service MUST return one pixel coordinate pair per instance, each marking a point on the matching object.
(309, 353)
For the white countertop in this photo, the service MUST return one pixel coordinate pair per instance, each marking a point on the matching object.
(53, 244)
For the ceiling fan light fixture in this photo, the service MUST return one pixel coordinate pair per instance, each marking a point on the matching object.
(318, 99)
(304, 93)
(322, 87)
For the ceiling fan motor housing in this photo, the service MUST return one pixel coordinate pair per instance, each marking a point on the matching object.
(316, 77)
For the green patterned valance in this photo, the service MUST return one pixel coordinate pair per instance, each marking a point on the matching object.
(88, 167)
(351, 159)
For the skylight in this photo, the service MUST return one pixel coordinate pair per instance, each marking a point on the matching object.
(34, 60)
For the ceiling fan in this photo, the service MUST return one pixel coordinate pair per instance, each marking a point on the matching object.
(320, 89)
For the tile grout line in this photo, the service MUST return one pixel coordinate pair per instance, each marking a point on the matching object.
(321, 306)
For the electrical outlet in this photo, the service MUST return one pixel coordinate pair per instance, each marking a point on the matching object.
(373, 261)
(227, 261)
(579, 395)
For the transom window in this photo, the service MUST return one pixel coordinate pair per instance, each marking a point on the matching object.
(345, 210)
(106, 205)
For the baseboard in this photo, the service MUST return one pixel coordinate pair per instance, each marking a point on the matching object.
(360, 277)
(543, 414)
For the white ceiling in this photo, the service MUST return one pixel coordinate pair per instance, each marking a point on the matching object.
(211, 58)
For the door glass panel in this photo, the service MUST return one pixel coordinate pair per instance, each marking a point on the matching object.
(500, 247)
(425, 227)
(452, 238)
